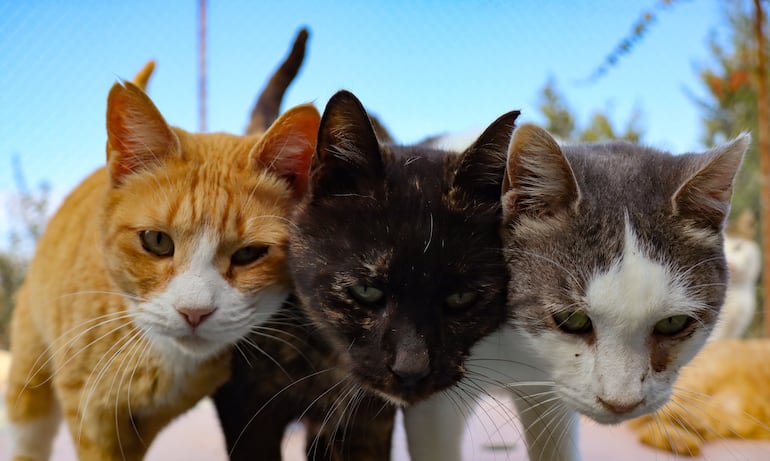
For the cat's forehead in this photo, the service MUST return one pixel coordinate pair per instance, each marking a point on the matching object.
(422, 169)
(637, 289)
(227, 150)
(213, 197)
(626, 175)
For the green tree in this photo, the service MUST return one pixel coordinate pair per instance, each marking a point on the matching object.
(30, 209)
(561, 122)
(730, 106)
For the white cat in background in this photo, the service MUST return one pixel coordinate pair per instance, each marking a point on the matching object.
(744, 261)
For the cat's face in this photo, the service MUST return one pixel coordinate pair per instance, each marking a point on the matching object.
(396, 252)
(195, 225)
(618, 272)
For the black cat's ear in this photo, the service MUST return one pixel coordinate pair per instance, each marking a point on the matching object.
(347, 152)
(705, 195)
(482, 167)
(538, 179)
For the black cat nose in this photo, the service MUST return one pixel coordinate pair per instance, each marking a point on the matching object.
(410, 378)
(411, 367)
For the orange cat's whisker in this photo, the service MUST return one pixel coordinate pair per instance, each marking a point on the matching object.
(102, 366)
(135, 345)
(338, 401)
(259, 331)
(143, 354)
(52, 350)
(269, 401)
(268, 356)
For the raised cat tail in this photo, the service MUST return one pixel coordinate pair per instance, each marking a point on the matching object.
(268, 104)
(142, 78)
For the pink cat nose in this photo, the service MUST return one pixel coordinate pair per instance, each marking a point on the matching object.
(194, 316)
(619, 408)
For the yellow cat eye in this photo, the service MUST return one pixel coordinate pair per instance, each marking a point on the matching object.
(672, 325)
(460, 300)
(366, 294)
(573, 322)
(248, 255)
(157, 243)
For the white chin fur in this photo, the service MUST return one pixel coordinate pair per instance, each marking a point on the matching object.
(233, 320)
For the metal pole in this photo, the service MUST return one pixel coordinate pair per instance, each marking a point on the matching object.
(202, 66)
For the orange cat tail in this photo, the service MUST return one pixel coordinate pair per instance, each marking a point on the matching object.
(268, 104)
(143, 76)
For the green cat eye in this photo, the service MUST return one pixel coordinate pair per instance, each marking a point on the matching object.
(247, 255)
(573, 322)
(460, 300)
(157, 243)
(366, 294)
(672, 325)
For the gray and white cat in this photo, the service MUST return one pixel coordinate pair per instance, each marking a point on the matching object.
(617, 278)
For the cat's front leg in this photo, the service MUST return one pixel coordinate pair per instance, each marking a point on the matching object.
(550, 428)
(434, 428)
(100, 427)
(31, 407)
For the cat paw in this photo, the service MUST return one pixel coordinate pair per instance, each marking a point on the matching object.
(670, 438)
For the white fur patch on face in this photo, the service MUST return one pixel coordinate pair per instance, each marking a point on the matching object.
(636, 290)
(201, 286)
(614, 371)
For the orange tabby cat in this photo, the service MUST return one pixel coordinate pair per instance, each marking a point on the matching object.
(722, 393)
(148, 274)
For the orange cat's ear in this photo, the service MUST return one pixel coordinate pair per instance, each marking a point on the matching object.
(138, 137)
(288, 146)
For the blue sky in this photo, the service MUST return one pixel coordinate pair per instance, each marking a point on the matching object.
(425, 67)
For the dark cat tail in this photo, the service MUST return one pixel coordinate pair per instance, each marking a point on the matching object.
(705, 195)
(539, 180)
(348, 152)
(482, 167)
(268, 104)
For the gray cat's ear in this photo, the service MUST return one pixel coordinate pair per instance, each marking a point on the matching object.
(347, 151)
(482, 167)
(138, 138)
(538, 178)
(705, 195)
